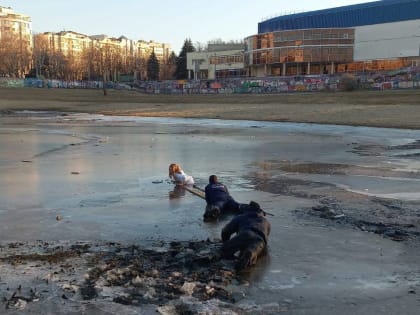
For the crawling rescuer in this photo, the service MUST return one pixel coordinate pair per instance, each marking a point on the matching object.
(252, 230)
(218, 199)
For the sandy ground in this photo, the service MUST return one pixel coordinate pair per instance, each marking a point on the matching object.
(398, 109)
(345, 231)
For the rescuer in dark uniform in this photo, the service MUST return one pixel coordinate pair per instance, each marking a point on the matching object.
(218, 199)
(252, 230)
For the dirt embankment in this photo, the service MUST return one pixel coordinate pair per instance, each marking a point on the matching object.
(399, 109)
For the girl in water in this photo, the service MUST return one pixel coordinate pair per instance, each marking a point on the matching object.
(178, 175)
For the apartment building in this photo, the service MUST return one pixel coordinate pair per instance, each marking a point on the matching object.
(122, 54)
(162, 50)
(79, 51)
(70, 43)
(16, 25)
(16, 42)
(67, 43)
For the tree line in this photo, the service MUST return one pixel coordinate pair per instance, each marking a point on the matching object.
(104, 62)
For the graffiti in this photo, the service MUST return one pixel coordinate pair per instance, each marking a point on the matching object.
(403, 79)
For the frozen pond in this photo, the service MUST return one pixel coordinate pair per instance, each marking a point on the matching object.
(97, 173)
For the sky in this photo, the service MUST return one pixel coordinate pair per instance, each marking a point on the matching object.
(162, 21)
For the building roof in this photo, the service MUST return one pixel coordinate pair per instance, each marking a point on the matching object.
(377, 12)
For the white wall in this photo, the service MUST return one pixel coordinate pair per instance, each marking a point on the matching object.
(205, 56)
(387, 41)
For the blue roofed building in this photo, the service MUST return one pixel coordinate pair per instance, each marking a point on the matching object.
(374, 36)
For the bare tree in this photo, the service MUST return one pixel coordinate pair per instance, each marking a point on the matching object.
(57, 65)
(15, 56)
(111, 60)
(167, 69)
(87, 63)
(40, 55)
(200, 46)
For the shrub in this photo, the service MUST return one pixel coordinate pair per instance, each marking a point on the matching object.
(348, 83)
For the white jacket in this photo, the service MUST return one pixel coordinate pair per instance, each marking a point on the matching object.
(183, 179)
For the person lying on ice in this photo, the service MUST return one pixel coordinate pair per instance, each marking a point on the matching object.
(218, 200)
(252, 230)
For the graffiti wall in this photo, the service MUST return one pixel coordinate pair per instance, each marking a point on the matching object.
(403, 79)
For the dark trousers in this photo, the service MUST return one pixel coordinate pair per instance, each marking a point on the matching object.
(248, 243)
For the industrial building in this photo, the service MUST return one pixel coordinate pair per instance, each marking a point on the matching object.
(374, 36)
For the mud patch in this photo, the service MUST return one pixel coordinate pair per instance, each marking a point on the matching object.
(409, 146)
(395, 219)
(289, 186)
(408, 155)
(336, 214)
(101, 202)
(159, 276)
(368, 149)
(336, 169)
(378, 150)
(49, 255)
(171, 278)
